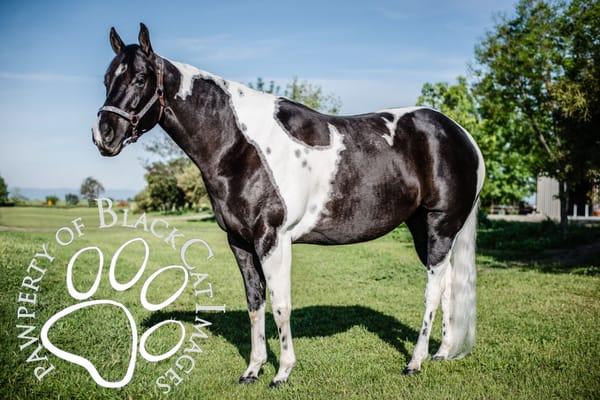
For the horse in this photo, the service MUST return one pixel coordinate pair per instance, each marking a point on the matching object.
(278, 173)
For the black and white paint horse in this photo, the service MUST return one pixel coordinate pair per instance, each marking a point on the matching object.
(279, 173)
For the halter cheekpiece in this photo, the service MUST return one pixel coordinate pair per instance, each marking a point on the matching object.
(135, 118)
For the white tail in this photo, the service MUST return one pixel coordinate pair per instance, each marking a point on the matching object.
(463, 280)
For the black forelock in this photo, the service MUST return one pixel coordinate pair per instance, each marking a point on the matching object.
(135, 59)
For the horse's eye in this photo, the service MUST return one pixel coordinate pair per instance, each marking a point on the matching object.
(140, 79)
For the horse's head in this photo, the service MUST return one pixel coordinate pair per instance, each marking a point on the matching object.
(134, 94)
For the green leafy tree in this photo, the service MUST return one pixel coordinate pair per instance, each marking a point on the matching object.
(71, 199)
(190, 183)
(508, 173)
(263, 86)
(3, 191)
(162, 192)
(91, 189)
(540, 69)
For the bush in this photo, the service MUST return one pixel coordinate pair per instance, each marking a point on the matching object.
(3, 191)
(51, 201)
(71, 199)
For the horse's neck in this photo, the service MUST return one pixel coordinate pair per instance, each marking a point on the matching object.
(199, 118)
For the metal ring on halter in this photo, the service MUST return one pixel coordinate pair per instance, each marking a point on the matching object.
(135, 118)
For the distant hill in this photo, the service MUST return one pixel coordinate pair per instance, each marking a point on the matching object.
(41, 193)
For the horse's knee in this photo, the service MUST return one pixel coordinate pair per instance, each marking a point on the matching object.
(257, 314)
(282, 313)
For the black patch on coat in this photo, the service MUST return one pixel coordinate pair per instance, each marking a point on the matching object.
(302, 123)
(389, 117)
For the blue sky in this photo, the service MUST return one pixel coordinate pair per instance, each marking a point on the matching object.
(53, 56)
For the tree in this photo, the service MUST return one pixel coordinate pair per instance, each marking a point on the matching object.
(261, 85)
(508, 173)
(3, 191)
(51, 201)
(71, 199)
(162, 192)
(540, 68)
(190, 182)
(91, 189)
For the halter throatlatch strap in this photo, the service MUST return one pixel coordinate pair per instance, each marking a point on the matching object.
(134, 118)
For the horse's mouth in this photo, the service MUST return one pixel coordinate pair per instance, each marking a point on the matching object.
(110, 152)
(105, 151)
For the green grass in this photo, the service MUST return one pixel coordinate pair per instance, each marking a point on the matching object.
(356, 312)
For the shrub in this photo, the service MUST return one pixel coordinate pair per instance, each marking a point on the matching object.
(71, 199)
(51, 201)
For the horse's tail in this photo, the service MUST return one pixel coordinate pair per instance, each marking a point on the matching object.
(463, 279)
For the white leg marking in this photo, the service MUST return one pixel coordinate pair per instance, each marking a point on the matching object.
(433, 293)
(258, 355)
(444, 349)
(277, 268)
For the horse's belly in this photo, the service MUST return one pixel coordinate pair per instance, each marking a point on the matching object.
(363, 207)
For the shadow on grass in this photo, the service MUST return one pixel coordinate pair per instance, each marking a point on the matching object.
(539, 245)
(307, 322)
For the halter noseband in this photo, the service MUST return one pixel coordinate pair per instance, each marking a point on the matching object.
(135, 118)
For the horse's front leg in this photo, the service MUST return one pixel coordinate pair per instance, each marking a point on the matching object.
(254, 282)
(277, 266)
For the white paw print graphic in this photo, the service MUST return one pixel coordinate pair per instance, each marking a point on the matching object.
(120, 287)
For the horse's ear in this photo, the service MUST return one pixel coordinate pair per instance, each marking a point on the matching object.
(115, 41)
(144, 39)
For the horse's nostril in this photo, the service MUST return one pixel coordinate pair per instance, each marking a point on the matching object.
(107, 132)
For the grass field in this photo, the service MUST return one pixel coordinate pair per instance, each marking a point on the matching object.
(356, 314)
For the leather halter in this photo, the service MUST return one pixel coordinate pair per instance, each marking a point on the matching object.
(135, 118)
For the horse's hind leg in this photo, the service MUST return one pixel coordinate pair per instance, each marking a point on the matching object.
(254, 282)
(438, 246)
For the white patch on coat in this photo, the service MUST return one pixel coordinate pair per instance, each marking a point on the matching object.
(120, 69)
(391, 125)
(290, 162)
(96, 131)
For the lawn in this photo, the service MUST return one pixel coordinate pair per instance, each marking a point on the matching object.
(356, 314)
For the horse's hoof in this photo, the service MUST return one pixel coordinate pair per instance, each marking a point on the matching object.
(438, 358)
(247, 379)
(411, 371)
(276, 384)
